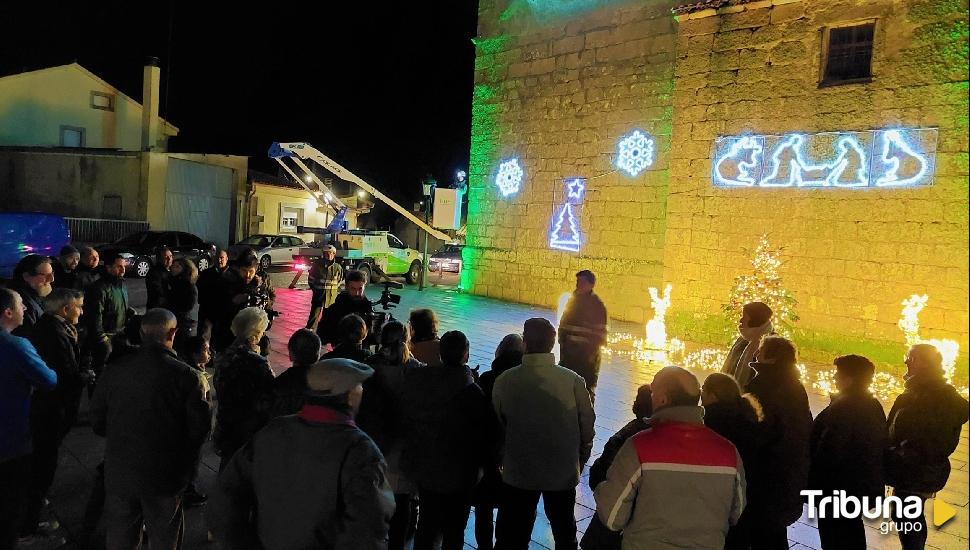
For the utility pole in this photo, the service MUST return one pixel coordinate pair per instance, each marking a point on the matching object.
(427, 186)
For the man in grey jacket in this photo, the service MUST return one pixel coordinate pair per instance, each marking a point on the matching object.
(548, 420)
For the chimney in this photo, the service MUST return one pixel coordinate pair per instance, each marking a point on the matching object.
(152, 76)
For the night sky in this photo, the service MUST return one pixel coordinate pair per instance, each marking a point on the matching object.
(384, 88)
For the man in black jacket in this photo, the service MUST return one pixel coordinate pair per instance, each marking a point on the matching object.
(847, 446)
(452, 434)
(87, 270)
(312, 480)
(65, 268)
(351, 300)
(151, 409)
(53, 412)
(208, 285)
(924, 429)
(32, 279)
(774, 495)
(157, 282)
(582, 331)
(289, 388)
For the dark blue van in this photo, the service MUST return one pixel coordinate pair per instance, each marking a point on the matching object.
(23, 233)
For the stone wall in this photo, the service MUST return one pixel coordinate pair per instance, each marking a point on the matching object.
(558, 93)
(851, 255)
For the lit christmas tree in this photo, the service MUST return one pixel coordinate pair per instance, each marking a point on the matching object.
(565, 235)
(764, 285)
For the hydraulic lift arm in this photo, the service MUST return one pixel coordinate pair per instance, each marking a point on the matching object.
(298, 152)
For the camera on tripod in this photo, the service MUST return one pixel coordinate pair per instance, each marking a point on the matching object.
(387, 301)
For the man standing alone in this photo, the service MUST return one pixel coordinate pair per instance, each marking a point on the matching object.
(582, 331)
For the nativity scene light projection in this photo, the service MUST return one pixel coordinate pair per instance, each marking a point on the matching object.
(874, 159)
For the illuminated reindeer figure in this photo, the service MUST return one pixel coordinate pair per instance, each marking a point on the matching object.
(656, 327)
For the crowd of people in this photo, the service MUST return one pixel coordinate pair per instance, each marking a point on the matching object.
(389, 439)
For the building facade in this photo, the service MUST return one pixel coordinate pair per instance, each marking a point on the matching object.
(656, 143)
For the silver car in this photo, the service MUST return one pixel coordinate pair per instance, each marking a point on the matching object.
(270, 249)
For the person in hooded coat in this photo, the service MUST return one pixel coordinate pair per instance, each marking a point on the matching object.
(774, 493)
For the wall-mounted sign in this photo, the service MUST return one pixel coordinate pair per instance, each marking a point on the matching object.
(879, 158)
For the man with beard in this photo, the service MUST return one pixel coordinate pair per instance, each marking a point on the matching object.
(87, 270)
(106, 311)
(324, 278)
(237, 289)
(65, 268)
(351, 300)
(32, 279)
(158, 281)
(208, 285)
(53, 412)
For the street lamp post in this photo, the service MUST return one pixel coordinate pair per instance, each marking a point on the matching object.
(427, 186)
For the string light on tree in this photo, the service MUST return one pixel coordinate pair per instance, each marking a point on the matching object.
(764, 285)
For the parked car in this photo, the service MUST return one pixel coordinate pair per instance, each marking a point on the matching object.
(447, 258)
(138, 249)
(270, 249)
(23, 233)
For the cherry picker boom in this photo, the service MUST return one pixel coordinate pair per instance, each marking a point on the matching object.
(299, 152)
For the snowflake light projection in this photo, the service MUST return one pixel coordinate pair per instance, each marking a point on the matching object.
(635, 153)
(509, 177)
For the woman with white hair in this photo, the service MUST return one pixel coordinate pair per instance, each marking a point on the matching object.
(243, 384)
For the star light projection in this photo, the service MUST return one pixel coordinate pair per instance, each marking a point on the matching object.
(881, 158)
(509, 177)
(634, 153)
(565, 234)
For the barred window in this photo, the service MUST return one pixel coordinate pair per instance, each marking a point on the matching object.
(849, 55)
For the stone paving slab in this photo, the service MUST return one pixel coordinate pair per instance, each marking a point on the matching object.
(486, 322)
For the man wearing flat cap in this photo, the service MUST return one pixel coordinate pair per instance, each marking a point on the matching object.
(310, 480)
(324, 279)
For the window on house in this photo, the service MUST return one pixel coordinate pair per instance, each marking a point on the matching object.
(290, 218)
(111, 207)
(848, 56)
(72, 136)
(103, 101)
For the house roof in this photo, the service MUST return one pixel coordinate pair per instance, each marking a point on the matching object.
(264, 178)
(167, 127)
(706, 5)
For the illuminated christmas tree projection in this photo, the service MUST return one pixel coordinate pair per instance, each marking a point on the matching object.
(764, 285)
(565, 225)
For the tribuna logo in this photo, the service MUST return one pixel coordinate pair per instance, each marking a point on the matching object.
(840, 505)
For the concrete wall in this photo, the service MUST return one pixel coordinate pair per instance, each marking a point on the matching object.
(34, 106)
(74, 184)
(69, 184)
(559, 90)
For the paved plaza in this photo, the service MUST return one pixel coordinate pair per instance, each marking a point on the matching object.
(485, 321)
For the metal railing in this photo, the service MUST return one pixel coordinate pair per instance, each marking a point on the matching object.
(97, 231)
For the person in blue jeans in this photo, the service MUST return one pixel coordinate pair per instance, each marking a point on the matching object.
(21, 371)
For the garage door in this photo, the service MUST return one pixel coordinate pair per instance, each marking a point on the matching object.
(199, 200)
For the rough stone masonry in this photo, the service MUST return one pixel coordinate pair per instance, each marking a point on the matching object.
(556, 88)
